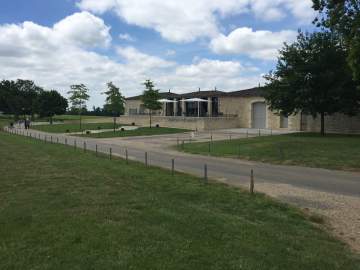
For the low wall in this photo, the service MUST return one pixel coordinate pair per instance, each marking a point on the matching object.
(337, 123)
(193, 123)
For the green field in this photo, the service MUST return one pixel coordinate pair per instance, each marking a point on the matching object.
(332, 151)
(69, 117)
(64, 128)
(64, 209)
(141, 131)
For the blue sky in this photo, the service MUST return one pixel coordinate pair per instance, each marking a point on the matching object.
(182, 46)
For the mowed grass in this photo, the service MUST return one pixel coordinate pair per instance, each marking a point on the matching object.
(64, 209)
(70, 117)
(74, 127)
(306, 149)
(141, 131)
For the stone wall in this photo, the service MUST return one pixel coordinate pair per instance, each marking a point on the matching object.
(242, 106)
(192, 123)
(337, 123)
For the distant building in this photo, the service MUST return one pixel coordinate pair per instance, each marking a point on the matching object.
(214, 109)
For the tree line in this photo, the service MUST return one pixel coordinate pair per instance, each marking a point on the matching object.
(319, 74)
(23, 98)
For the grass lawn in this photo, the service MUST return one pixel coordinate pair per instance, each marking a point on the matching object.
(68, 117)
(141, 131)
(64, 209)
(62, 128)
(305, 149)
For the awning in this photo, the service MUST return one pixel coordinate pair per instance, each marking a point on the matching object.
(196, 100)
(164, 100)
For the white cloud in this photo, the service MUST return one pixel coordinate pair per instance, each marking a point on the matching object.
(257, 44)
(54, 59)
(127, 37)
(187, 20)
(170, 53)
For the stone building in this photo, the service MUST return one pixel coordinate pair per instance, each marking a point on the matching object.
(214, 109)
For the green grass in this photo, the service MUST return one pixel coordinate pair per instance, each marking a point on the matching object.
(305, 149)
(63, 209)
(69, 117)
(141, 131)
(62, 128)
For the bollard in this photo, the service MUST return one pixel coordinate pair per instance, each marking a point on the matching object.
(211, 138)
(84, 147)
(96, 150)
(65, 141)
(230, 138)
(205, 174)
(259, 132)
(57, 139)
(172, 167)
(146, 158)
(50, 138)
(252, 182)
(110, 153)
(126, 156)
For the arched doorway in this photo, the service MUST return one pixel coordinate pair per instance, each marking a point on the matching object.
(258, 119)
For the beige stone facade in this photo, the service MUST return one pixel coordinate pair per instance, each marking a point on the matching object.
(233, 110)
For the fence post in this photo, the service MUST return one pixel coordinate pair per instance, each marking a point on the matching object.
(146, 158)
(252, 182)
(110, 153)
(172, 167)
(205, 174)
(126, 156)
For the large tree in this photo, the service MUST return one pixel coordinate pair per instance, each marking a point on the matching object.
(342, 17)
(150, 98)
(51, 103)
(114, 101)
(313, 77)
(19, 97)
(78, 97)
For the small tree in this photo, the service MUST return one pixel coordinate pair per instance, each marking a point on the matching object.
(78, 97)
(51, 103)
(114, 101)
(150, 98)
(312, 76)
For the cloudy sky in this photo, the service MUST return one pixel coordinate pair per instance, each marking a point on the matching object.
(181, 45)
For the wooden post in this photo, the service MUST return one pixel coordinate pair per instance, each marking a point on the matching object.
(110, 153)
(96, 150)
(172, 167)
(126, 156)
(205, 174)
(252, 182)
(146, 158)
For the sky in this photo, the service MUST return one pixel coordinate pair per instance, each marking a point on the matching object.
(182, 45)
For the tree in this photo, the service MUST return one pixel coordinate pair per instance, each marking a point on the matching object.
(312, 76)
(114, 101)
(342, 17)
(51, 103)
(78, 97)
(19, 97)
(150, 98)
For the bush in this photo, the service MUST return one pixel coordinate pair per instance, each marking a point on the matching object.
(88, 132)
(122, 129)
(67, 131)
(157, 125)
(133, 123)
